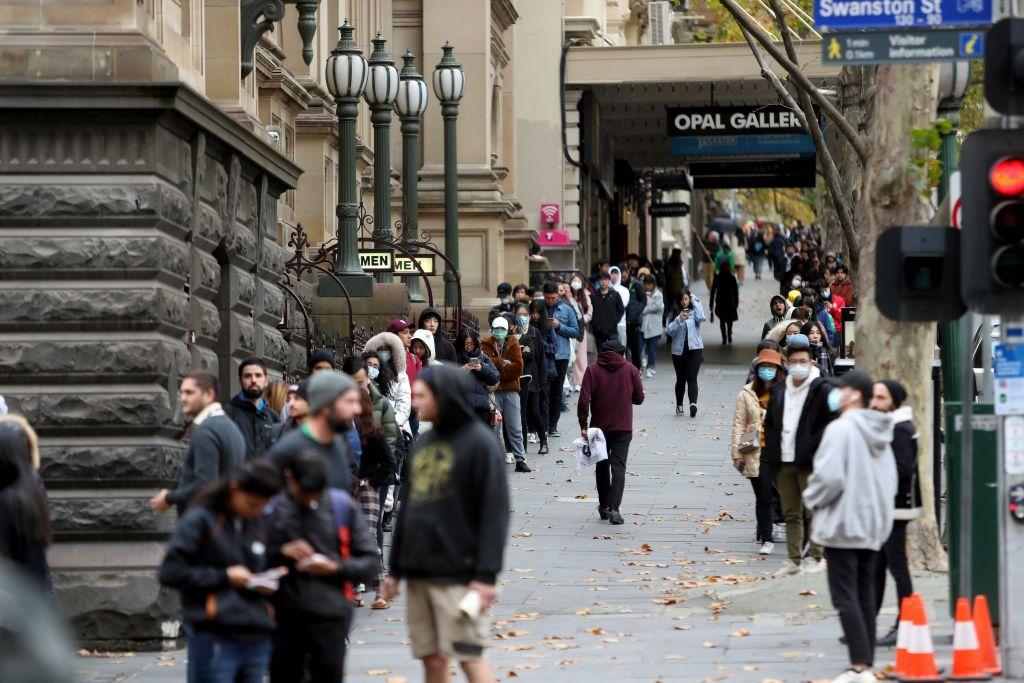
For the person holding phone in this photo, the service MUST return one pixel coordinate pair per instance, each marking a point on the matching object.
(532, 323)
(467, 347)
(687, 349)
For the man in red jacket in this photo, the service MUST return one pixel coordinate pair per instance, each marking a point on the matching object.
(614, 387)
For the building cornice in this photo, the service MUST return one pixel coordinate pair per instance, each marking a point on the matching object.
(272, 75)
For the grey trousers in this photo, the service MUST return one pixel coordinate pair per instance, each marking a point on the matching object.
(512, 421)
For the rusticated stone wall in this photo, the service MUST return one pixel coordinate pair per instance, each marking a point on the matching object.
(137, 228)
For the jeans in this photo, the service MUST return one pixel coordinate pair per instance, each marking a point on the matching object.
(851, 581)
(508, 404)
(635, 341)
(687, 365)
(555, 393)
(315, 646)
(214, 658)
(763, 496)
(758, 261)
(894, 557)
(529, 405)
(792, 481)
(611, 473)
(651, 351)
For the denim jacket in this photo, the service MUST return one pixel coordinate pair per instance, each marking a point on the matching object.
(568, 328)
(691, 326)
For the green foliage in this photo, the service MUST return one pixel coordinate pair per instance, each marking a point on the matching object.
(926, 143)
(721, 27)
(972, 111)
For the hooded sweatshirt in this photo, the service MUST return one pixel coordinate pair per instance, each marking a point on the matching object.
(427, 337)
(444, 348)
(775, 320)
(853, 485)
(614, 386)
(453, 525)
(621, 290)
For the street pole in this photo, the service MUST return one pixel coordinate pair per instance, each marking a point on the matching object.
(381, 90)
(449, 85)
(952, 351)
(410, 104)
(1010, 454)
(346, 81)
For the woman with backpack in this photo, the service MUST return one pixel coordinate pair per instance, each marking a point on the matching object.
(216, 558)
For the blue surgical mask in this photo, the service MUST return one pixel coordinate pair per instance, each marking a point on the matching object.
(835, 399)
(500, 334)
(524, 321)
(373, 371)
(766, 373)
(384, 356)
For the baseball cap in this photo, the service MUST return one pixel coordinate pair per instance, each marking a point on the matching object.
(499, 323)
(797, 341)
(397, 326)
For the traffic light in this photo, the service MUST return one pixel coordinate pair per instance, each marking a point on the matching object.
(917, 274)
(992, 219)
(1004, 66)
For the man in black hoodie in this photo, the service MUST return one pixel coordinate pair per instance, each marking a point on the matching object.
(608, 310)
(451, 532)
(249, 410)
(430, 320)
(320, 535)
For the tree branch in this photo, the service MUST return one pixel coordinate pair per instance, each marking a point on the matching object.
(799, 79)
(832, 180)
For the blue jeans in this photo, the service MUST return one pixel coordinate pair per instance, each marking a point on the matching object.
(651, 351)
(212, 658)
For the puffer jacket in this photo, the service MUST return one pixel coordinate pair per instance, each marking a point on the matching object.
(746, 416)
(384, 414)
(511, 371)
(401, 392)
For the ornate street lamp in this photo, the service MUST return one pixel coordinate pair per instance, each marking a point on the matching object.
(346, 78)
(380, 94)
(410, 105)
(449, 85)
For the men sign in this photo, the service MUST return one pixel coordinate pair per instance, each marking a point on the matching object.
(386, 261)
(376, 260)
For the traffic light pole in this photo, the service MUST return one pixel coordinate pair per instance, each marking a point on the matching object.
(952, 351)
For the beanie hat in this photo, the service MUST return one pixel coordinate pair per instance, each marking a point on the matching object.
(321, 355)
(326, 386)
(896, 390)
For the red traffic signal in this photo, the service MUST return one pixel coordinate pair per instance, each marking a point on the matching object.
(1007, 177)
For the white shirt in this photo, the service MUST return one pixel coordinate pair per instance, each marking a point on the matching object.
(796, 396)
(624, 295)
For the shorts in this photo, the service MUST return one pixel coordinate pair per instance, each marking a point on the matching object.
(437, 627)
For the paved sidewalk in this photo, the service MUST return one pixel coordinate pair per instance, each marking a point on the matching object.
(678, 593)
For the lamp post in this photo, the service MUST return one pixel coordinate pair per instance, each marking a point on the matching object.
(380, 93)
(449, 85)
(410, 105)
(346, 79)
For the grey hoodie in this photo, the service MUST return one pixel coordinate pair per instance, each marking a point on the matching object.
(853, 485)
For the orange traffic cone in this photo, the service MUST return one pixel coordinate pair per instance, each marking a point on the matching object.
(918, 663)
(967, 664)
(986, 638)
(903, 637)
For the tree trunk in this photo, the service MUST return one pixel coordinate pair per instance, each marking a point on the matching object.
(898, 99)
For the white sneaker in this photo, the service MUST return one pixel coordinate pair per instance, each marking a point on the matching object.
(650, 374)
(653, 372)
(790, 569)
(767, 548)
(851, 676)
(509, 458)
(532, 438)
(812, 566)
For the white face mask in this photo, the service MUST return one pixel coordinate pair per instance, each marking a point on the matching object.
(799, 372)
(576, 285)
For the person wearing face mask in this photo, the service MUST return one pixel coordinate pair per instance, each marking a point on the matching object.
(748, 440)
(531, 321)
(834, 303)
(583, 303)
(795, 418)
(507, 357)
(818, 312)
(608, 309)
(821, 354)
(392, 379)
(505, 299)
(888, 397)
(482, 370)
(793, 279)
(851, 493)
(619, 288)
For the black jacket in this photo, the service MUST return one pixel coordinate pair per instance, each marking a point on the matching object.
(203, 546)
(443, 349)
(377, 465)
(534, 363)
(319, 598)
(486, 376)
(216, 448)
(254, 424)
(454, 523)
(341, 466)
(725, 297)
(637, 301)
(813, 420)
(277, 431)
(904, 448)
(608, 311)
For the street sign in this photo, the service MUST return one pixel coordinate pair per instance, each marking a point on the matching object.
(902, 47)
(376, 260)
(669, 210)
(1008, 364)
(405, 265)
(840, 15)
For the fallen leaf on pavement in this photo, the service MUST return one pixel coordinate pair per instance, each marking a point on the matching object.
(740, 633)
(808, 591)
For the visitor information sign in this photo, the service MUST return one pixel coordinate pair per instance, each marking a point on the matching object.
(847, 15)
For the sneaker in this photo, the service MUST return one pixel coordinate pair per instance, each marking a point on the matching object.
(790, 569)
(602, 512)
(679, 410)
(532, 438)
(767, 548)
(693, 410)
(812, 566)
(888, 640)
(509, 458)
(554, 434)
(653, 371)
(851, 676)
(521, 466)
(615, 518)
(650, 374)
(779, 528)
(543, 449)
